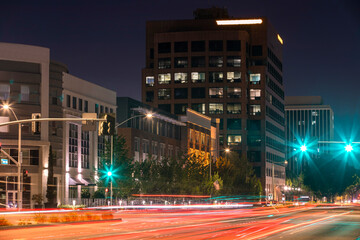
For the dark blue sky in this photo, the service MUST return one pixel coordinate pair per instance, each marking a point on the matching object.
(104, 41)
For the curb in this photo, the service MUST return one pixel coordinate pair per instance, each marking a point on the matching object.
(55, 224)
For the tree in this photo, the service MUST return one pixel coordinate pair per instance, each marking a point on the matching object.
(326, 176)
(238, 175)
(51, 185)
(121, 168)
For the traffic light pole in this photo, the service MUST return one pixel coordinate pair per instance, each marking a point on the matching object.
(111, 160)
(19, 160)
(19, 196)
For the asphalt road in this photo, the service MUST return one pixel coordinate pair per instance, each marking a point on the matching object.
(260, 223)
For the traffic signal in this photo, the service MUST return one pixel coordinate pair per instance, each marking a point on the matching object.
(35, 126)
(303, 148)
(348, 148)
(25, 173)
(107, 127)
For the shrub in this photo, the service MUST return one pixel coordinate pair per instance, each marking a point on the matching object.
(23, 222)
(4, 222)
(39, 218)
(107, 215)
(54, 219)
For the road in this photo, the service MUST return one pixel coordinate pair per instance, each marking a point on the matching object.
(259, 223)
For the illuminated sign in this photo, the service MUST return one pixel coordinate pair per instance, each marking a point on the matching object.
(239, 22)
(4, 161)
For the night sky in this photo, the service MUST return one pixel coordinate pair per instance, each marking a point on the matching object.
(104, 42)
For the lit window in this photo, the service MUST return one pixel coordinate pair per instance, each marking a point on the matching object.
(215, 61)
(180, 78)
(25, 93)
(216, 108)
(233, 61)
(164, 78)
(4, 91)
(149, 81)
(234, 92)
(164, 63)
(199, 107)
(181, 62)
(198, 77)
(216, 92)
(234, 139)
(233, 76)
(255, 94)
(234, 108)
(215, 77)
(255, 110)
(164, 94)
(255, 78)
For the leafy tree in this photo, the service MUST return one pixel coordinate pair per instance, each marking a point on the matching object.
(326, 176)
(121, 168)
(238, 175)
(352, 189)
(51, 186)
(85, 193)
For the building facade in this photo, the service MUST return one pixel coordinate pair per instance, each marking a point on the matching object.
(229, 69)
(308, 122)
(36, 87)
(164, 134)
(82, 148)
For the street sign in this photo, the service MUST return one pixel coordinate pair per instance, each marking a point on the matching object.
(89, 125)
(270, 196)
(4, 161)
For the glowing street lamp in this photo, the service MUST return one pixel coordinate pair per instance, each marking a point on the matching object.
(227, 150)
(303, 148)
(348, 148)
(19, 194)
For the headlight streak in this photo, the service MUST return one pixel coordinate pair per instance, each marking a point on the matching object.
(294, 226)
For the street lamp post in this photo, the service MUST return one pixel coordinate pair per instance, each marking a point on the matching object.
(19, 194)
(148, 115)
(227, 150)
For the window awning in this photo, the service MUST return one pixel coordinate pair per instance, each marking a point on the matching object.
(74, 182)
(88, 182)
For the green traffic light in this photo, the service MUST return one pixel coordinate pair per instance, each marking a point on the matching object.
(303, 148)
(109, 173)
(348, 148)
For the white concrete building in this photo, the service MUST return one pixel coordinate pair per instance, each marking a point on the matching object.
(34, 85)
(81, 153)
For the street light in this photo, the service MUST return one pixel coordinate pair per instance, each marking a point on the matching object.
(19, 196)
(148, 115)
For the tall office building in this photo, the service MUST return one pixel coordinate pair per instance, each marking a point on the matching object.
(226, 68)
(308, 123)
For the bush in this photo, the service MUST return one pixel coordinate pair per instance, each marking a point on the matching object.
(39, 218)
(54, 219)
(71, 206)
(4, 222)
(23, 222)
(98, 194)
(107, 215)
(71, 217)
